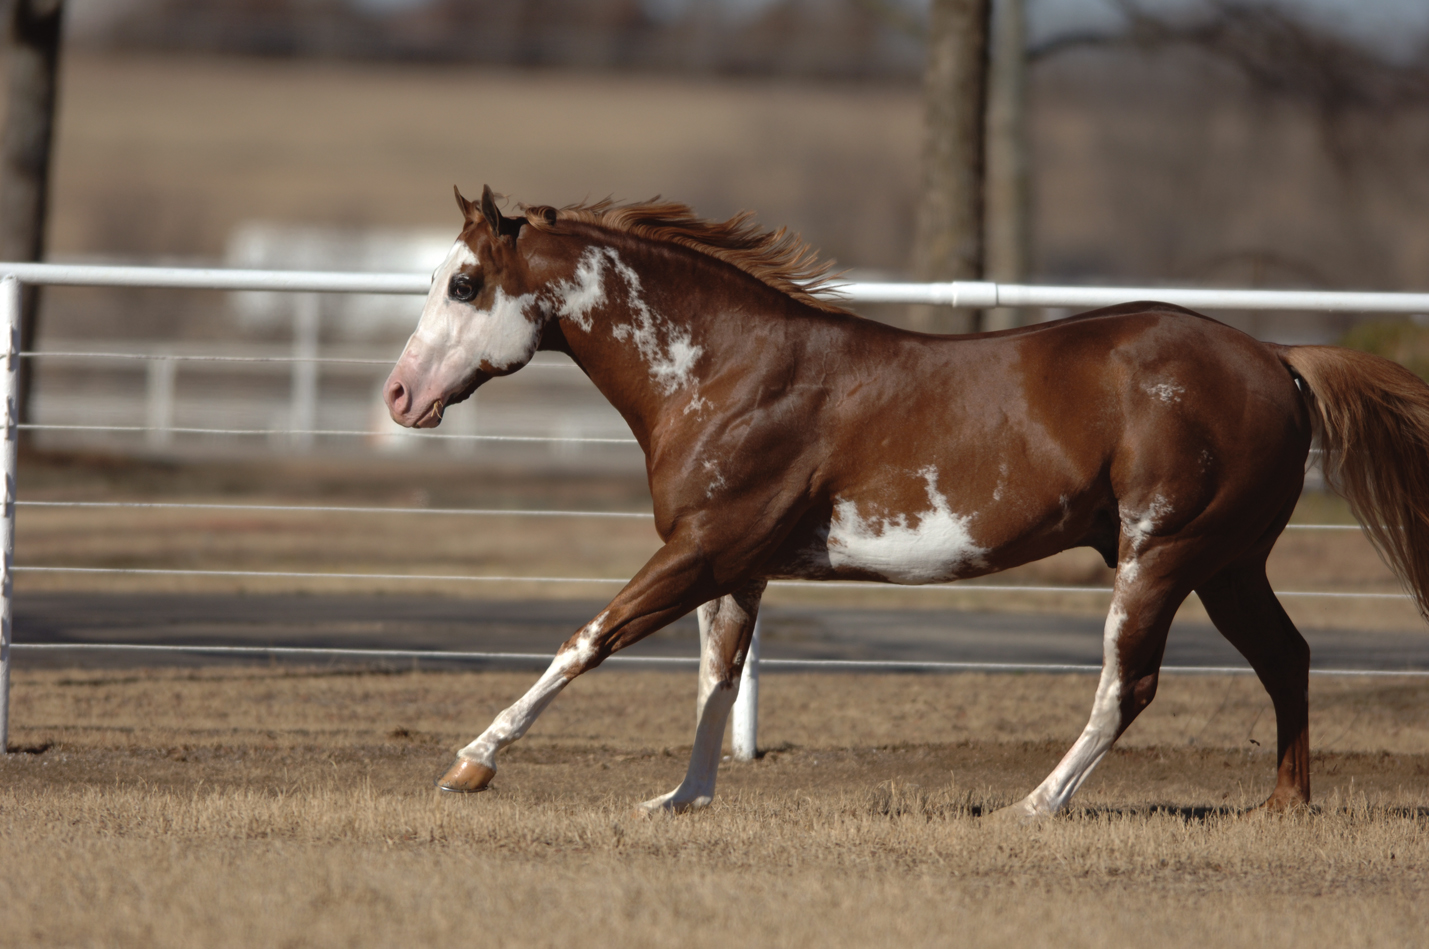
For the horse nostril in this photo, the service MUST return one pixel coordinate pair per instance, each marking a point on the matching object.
(398, 398)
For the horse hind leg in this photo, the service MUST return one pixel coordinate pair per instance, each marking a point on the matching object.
(1132, 646)
(726, 626)
(1243, 606)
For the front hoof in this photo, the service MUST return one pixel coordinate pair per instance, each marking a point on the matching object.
(1020, 814)
(466, 777)
(1279, 803)
(667, 805)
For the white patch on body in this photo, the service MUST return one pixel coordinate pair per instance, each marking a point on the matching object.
(716, 478)
(938, 547)
(1138, 528)
(1002, 470)
(666, 348)
(576, 298)
(1166, 392)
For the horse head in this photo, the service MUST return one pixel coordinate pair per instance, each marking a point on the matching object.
(477, 322)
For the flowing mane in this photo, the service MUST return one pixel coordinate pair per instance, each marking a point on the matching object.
(778, 258)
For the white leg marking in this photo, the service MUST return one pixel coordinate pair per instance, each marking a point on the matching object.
(1096, 739)
(716, 698)
(512, 723)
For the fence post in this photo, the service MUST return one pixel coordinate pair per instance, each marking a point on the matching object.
(10, 317)
(159, 401)
(746, 705)
(303, 417)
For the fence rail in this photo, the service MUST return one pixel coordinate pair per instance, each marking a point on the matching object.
(534, 660)
(976, 294)
(964, 294)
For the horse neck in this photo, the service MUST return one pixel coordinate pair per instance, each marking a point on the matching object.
(642, 333)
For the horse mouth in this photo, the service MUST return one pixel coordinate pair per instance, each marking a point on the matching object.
(433, 418)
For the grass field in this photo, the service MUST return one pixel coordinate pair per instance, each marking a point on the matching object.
(275, 806)
(265, 807)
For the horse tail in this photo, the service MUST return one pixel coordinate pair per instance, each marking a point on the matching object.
(1372, 419)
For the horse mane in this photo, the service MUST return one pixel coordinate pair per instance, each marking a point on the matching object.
(779, 258)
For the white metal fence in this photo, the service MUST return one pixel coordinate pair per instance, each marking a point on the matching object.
(967, 294)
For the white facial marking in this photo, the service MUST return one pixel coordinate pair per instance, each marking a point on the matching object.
(939, 547)
(1166, 392)
(454, 339)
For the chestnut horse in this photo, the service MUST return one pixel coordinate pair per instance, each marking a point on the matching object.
(787, 438)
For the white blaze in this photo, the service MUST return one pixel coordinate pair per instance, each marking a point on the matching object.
(454, 339)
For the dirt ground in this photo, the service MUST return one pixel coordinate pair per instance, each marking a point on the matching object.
(294, 807)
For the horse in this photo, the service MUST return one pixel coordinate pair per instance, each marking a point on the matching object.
(786, 437)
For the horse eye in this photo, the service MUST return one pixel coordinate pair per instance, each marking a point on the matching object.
(461, 288)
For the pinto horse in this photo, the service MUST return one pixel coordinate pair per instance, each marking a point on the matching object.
(787, 438)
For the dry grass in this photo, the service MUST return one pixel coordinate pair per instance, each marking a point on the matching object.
(240, 807)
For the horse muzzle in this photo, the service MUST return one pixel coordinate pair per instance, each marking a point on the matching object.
(408, 411)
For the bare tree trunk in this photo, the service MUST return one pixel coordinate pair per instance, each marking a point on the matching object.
(33, 48)
(950, 217)
(1008, 185)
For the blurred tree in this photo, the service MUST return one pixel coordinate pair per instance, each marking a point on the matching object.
(1279, 52)
(33, 50)
(950, 243)
(1008, 224)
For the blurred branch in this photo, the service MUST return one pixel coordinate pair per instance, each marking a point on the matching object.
(1286, 54)
(895, 17)
(1278, 53)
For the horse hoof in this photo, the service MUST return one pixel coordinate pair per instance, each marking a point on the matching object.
(1015, 815)
(466, 777)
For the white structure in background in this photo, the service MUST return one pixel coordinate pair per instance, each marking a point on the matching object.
(263, 245)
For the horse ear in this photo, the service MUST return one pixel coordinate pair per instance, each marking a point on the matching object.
(489, 211)
(468, 210)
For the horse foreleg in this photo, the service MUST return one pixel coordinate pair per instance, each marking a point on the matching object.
(726, 625)
(671, 584)
(1243, 606)
(1132, 645)
(475, 765)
